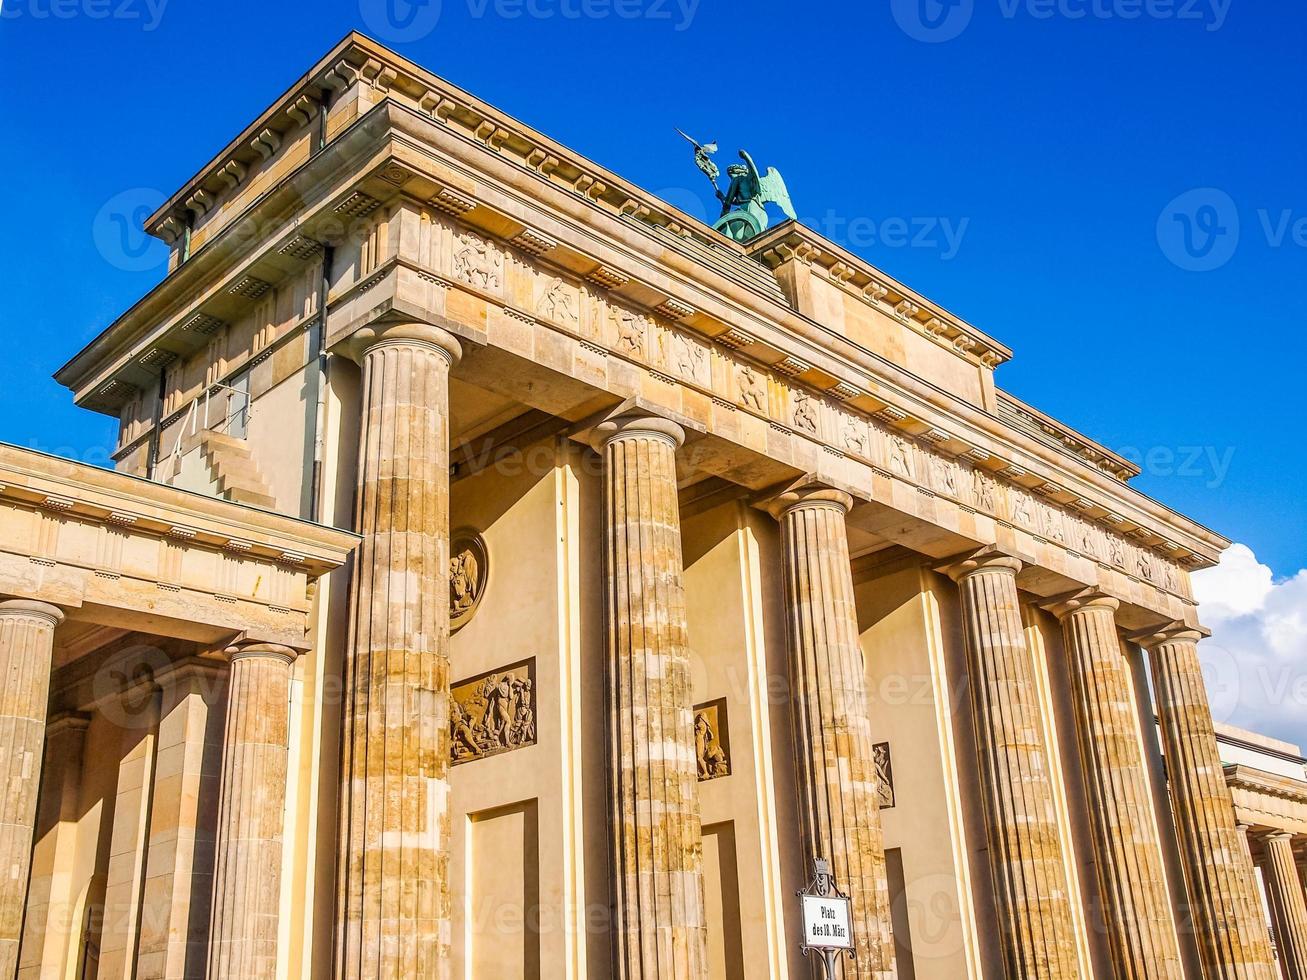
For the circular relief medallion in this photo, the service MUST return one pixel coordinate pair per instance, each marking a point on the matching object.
(469, 567)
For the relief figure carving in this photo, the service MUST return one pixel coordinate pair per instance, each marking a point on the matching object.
(880, 757)
(711, 746)
(476, 262)
(556, 302)
(753, 388)
(805, 411)
(493, 713)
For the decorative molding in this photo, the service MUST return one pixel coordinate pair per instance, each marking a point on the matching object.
(674, 310)
(607, 278)
(301, 247)
(534, 242)
(357, 205)
(204, 324)
(251, 287)
(452, 202)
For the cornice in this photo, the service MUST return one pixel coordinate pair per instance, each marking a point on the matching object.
(791, 241)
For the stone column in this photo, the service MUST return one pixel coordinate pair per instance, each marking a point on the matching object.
(251, 813)
(1229, 928)
(838, 802)
(658, 890)
(1288, 907)
(26, 649)
(393, 911)
(1032, 893)
(1141, 934)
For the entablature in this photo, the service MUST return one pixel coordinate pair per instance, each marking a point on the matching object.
(128, 553)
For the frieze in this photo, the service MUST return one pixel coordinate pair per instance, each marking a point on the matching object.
(721, 370)
(493, 713)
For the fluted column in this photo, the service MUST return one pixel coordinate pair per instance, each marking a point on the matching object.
(838, 801)
(1032, 893)
(251, 813)
(393, 914)
(1141, 934)
(26, 648)
(658, 891)
(1288, 907)
(1230, 930)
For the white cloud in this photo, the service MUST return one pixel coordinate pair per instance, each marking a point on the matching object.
(1256, 661)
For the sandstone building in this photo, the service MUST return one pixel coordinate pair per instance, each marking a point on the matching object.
(505, 575)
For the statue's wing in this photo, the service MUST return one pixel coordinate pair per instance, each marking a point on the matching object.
(772, 190)
(470, 568)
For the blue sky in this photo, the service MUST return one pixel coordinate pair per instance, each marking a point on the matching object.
(1030, 164)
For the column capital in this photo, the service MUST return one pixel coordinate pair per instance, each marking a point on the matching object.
(989, 559)
(636, 425)
(272, 651)
(1176, 632)
(1279, 835)
(1080, 600)
(404, 333)
(32, 610)
(807, 494)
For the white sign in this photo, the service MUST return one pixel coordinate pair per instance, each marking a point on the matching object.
(826, 922)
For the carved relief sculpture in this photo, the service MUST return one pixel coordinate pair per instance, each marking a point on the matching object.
(805, 411)
(884, 774)
(476, 262)
(630, 331)
(689, 357)
(753, 388)
(493, 713)
(556, 303)
(711, 744)
(469, 567)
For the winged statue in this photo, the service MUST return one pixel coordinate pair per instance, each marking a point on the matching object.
(744, 203)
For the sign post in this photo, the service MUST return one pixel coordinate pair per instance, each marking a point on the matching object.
(827, 918)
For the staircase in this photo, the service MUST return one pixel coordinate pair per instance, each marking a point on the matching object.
(233, 468)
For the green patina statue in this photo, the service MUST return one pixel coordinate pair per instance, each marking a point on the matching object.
(744, 212)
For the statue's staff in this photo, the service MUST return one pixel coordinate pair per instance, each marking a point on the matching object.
(703, 160)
